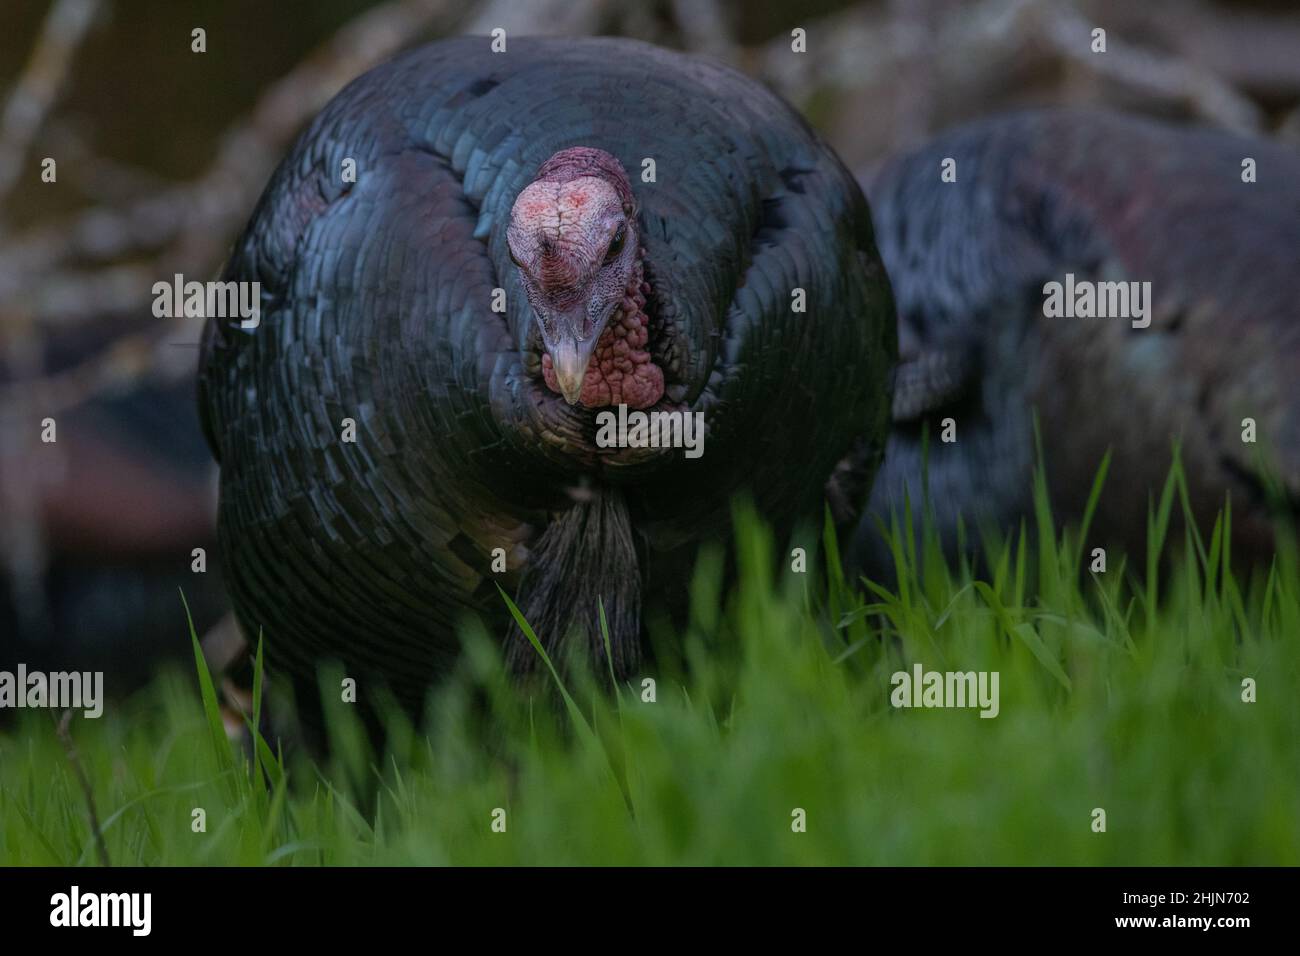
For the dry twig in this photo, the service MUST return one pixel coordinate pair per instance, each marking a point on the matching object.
(65, 736)
(38, 87)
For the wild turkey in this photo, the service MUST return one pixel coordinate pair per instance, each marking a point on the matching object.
(1040, 195)
(677, 193)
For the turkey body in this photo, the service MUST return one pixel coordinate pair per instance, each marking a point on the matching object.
(378, 308)
(1104, 197)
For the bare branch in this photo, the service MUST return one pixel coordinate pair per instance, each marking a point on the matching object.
(65, 736)
(197, 220)
(1155, 74)
(38, 87)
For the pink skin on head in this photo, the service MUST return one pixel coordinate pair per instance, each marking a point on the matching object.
(574, 236)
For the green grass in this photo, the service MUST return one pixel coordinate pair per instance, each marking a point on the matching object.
(1118, 690)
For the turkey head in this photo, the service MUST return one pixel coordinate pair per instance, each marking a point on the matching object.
(574, 238)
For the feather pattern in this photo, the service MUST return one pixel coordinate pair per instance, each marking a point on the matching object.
(1104, 197)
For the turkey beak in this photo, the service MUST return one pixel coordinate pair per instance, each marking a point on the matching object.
(569, 358)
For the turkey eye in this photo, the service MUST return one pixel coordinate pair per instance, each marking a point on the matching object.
(615, 244)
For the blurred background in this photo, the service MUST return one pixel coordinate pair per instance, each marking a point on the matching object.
(161, 153)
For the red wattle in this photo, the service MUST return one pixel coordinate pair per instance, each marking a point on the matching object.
(621, 371)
